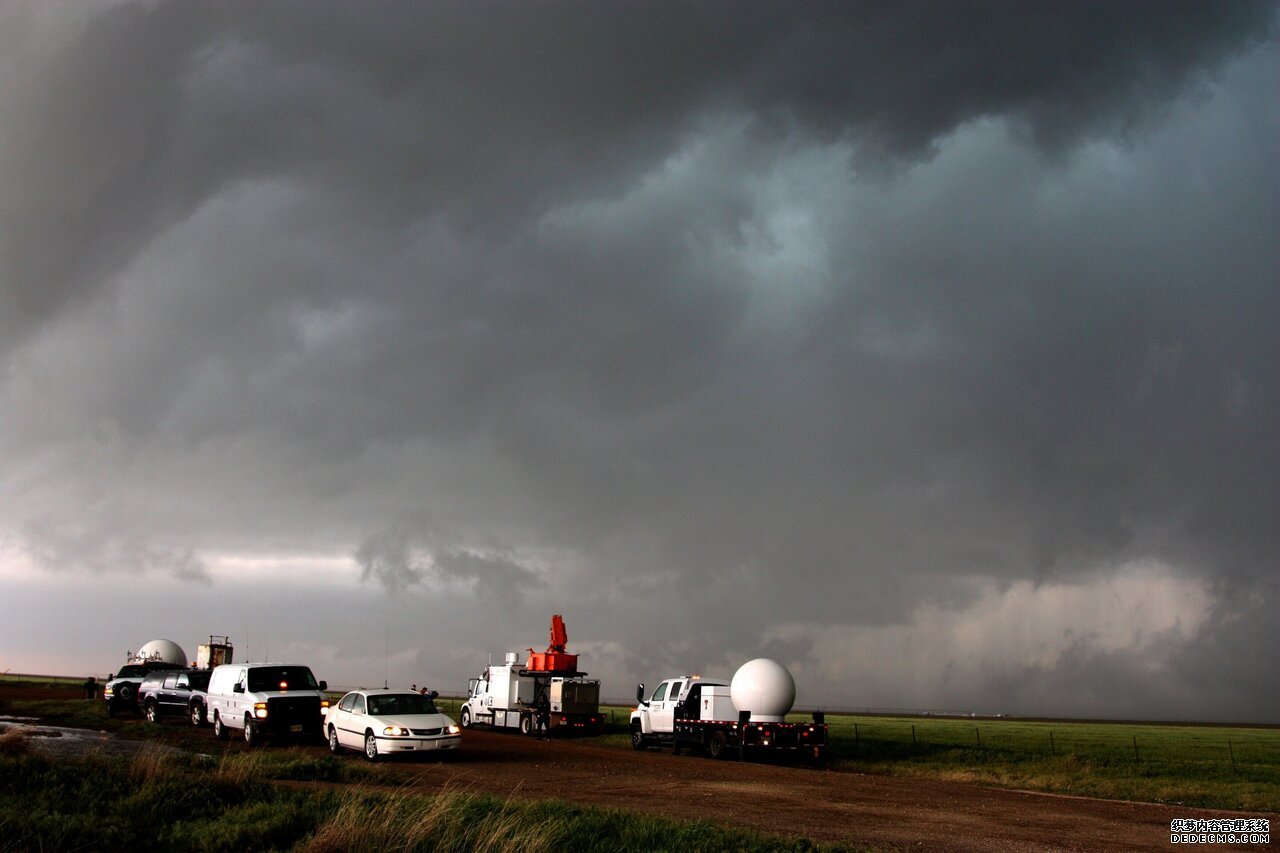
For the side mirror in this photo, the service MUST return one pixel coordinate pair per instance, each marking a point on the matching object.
(640, 694)
(324, 685)
(237, 688)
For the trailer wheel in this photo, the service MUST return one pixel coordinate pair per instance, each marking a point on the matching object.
(637, 738)
(526, 725)
(718, 745)
(464, 717)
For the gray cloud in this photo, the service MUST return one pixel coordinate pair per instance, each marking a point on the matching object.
(697, 325)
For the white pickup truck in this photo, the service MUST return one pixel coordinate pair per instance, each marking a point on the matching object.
(699, 713)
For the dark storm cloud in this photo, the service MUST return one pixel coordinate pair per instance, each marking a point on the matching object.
(733, 325)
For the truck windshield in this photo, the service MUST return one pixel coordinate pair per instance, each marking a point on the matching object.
(401, 703)
(267, 678)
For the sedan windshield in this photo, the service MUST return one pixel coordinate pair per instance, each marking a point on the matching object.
(400, 703)
(264, 678)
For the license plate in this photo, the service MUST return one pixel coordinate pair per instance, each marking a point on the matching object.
(297, 727)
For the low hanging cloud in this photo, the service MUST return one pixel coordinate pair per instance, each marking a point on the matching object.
(390, 559)
(1054, 648)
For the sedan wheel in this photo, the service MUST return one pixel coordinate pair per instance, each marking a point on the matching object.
(333, 740)
(370, 746)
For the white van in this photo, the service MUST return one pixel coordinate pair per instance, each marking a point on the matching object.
(264, 699)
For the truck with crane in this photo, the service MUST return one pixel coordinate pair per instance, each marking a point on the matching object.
(736, 719)
(546, 693)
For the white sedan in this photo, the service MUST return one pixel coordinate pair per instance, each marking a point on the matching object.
(387, 722)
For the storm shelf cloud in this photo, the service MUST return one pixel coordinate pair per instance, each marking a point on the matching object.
(933, 333)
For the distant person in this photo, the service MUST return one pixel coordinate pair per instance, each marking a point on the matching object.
(91, 688)
(413, 687)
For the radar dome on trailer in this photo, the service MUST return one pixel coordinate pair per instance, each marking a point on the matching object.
(765, 688)
(162, 650)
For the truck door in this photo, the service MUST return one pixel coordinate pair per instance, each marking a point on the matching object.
(662, 706)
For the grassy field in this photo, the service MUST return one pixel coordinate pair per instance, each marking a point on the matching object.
(1210, 766)
(156, 801)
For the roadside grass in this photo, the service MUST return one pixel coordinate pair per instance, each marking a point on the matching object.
(162, 801)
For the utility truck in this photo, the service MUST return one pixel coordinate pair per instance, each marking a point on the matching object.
(545, 693)
(728, 719)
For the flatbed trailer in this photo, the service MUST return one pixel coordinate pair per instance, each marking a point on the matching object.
(741, 737)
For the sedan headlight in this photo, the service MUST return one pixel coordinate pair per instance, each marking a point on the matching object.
(395, 731)
(453, 730)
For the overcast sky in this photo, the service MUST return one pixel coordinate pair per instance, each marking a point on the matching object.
(932, 349)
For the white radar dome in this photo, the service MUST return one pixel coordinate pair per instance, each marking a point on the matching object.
(162, 650)
(765, 688)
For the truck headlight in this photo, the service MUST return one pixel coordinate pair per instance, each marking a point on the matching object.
(260, 710)
(395, 731)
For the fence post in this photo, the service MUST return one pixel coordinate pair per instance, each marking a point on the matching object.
(913, 735)
(1052, 749)
(978, 732)
(1231, 750)
(855, 735)
(1136, 757)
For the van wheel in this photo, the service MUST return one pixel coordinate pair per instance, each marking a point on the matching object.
(464, 718)
(637, 738)
(250, 732)
(152, 713)
(219, 730)
(333, 740)
(370, 746)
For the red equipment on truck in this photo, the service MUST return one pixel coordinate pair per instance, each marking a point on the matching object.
(547, 693)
